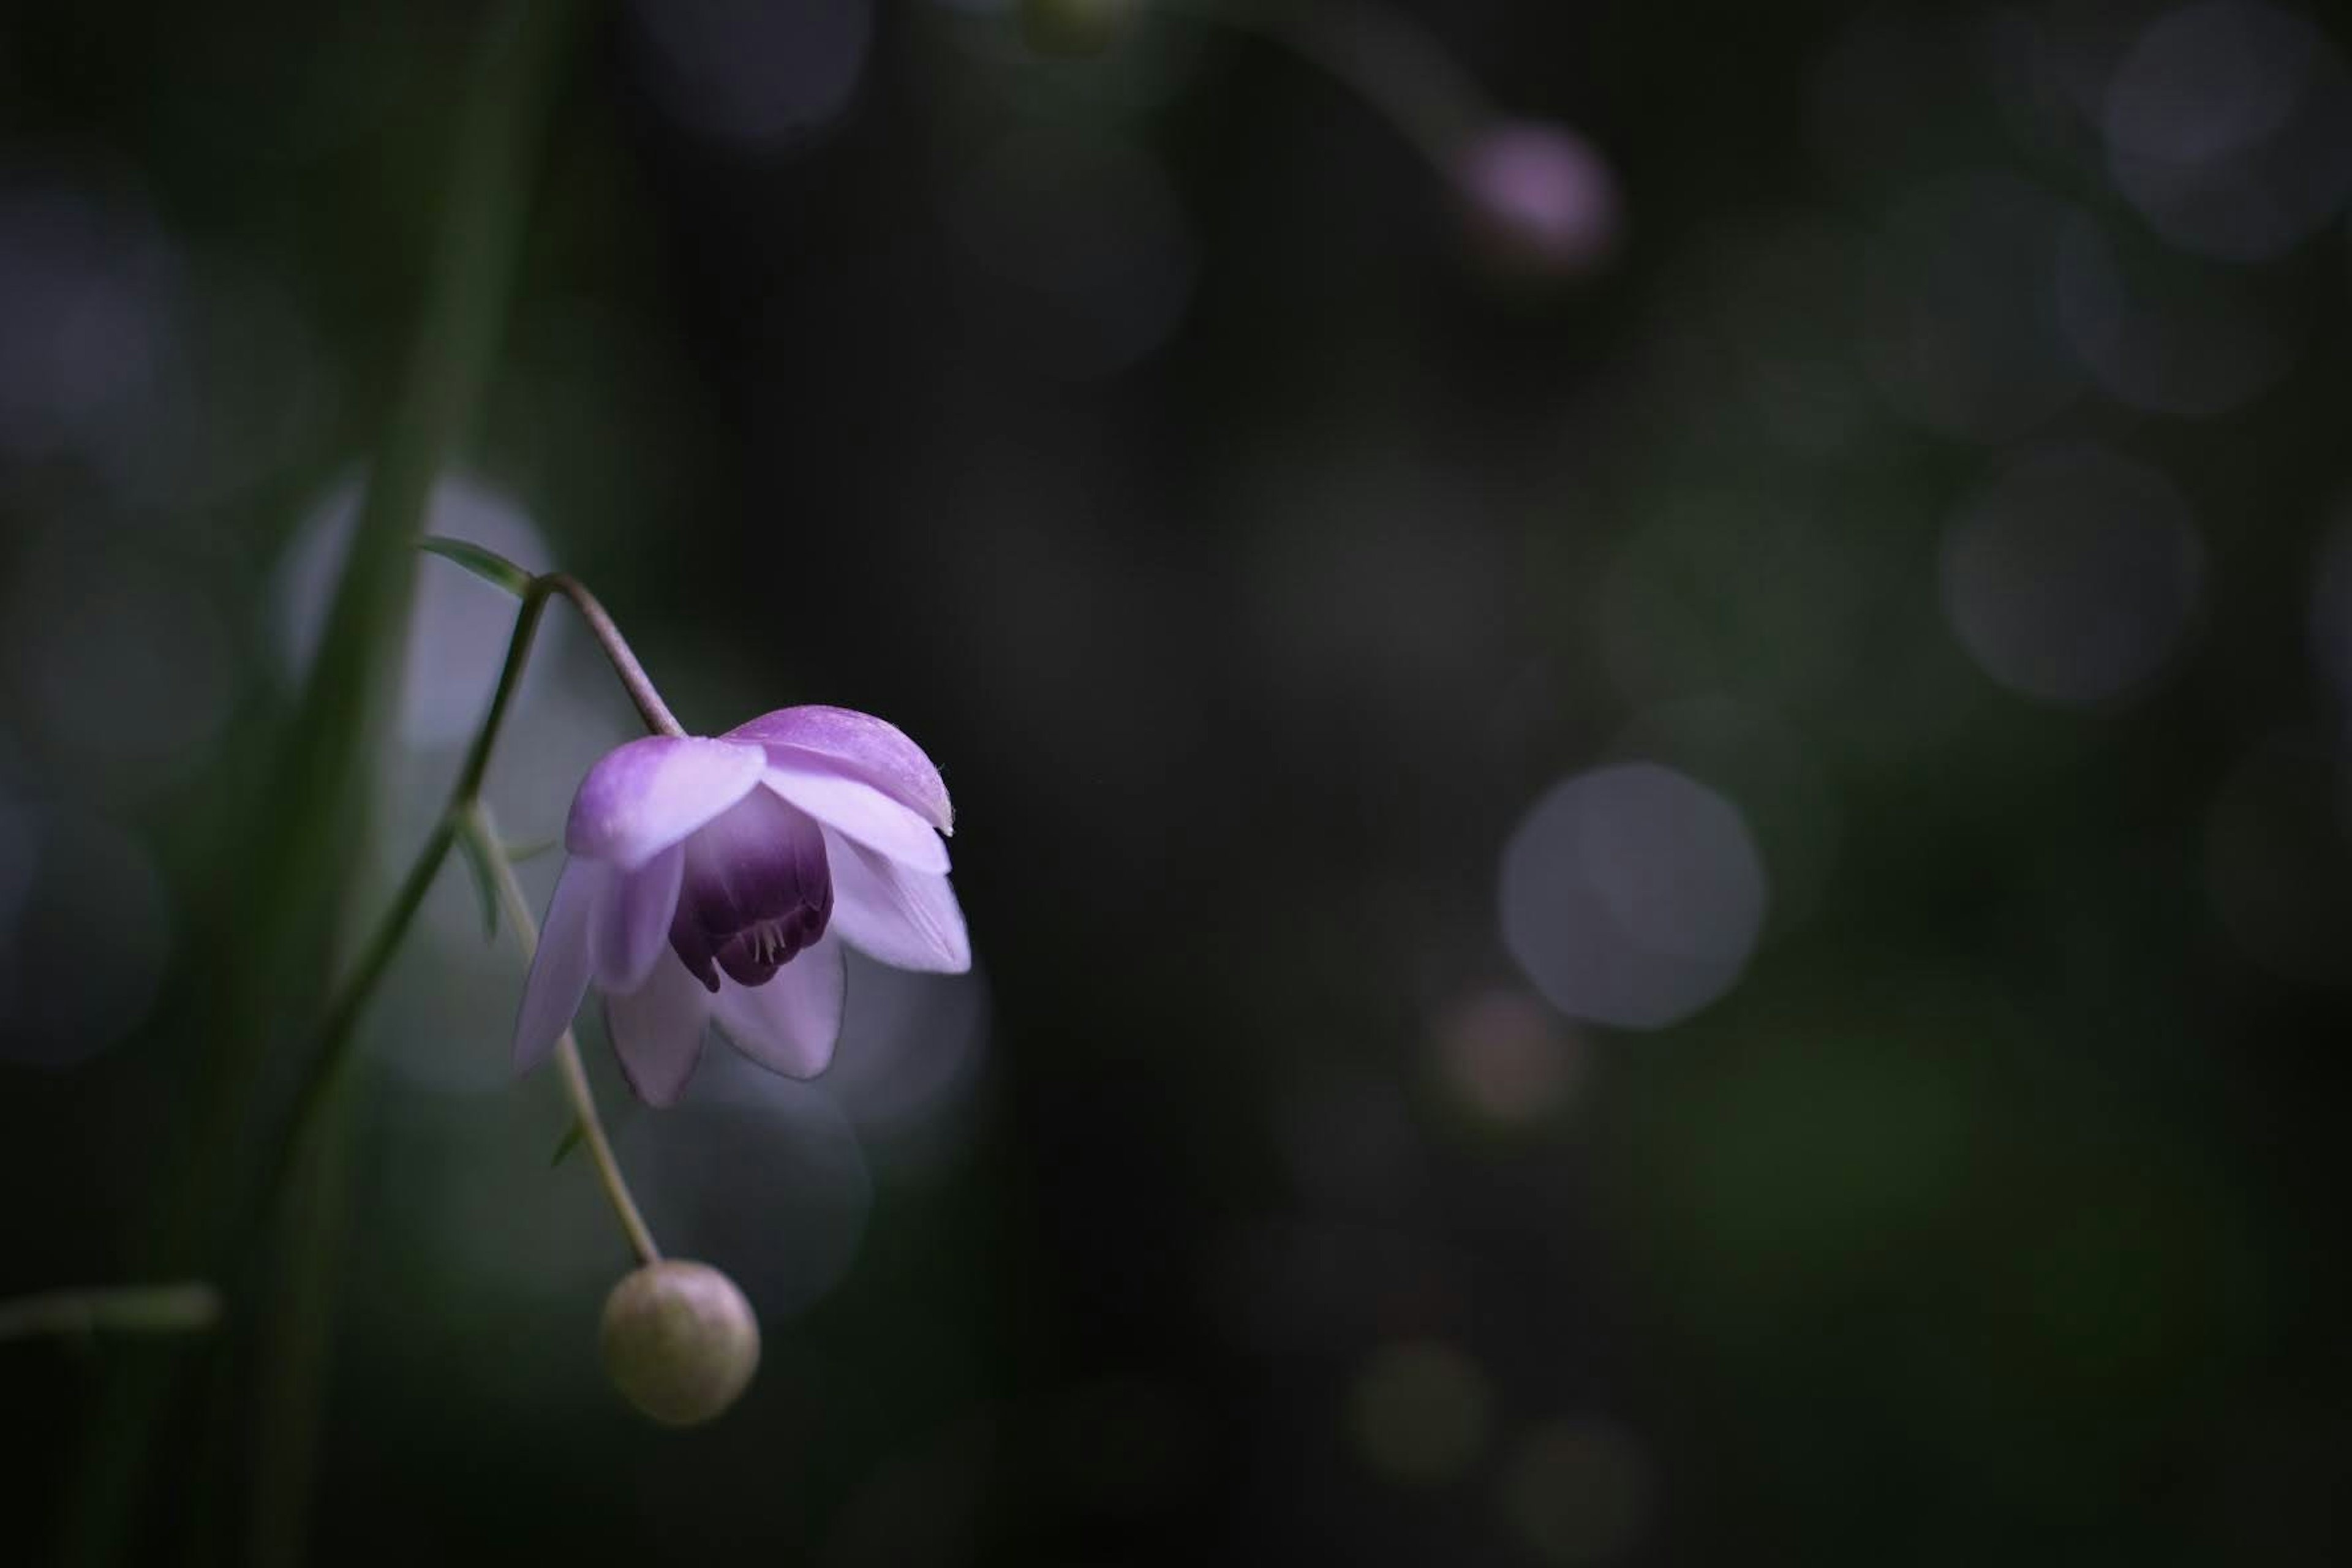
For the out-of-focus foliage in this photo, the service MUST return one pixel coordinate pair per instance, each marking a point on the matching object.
(1700, 915)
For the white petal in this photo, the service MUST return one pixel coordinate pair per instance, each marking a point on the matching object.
(908, 919)
(657, 1032)
(789, 1026)
(632, 928)
(559, 969)
(643, 797)
(857, 810)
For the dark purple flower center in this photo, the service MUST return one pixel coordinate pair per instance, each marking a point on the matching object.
(757, 892)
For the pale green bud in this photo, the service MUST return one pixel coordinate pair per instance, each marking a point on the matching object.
(681, 1341)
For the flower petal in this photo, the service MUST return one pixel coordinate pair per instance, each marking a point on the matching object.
(858, 811)
(643, 797)
(657, 1032)
(789, 1025)
(755, 892)
(859, 745)
(632, 926)
(908, 919)
(558, 969)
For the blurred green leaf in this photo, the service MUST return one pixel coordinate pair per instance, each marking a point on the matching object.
(189, 1307)
(570, 1142)
(486, 565)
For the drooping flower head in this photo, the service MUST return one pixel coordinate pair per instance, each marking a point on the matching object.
(718, 879)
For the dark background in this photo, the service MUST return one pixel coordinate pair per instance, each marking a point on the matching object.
(1941, 496)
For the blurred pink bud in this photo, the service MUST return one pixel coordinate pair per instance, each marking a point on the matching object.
(1540, 198)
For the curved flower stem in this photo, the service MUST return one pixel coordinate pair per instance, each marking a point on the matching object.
(310, 1126)
(336, 1033)
(281, 903)
(617, 653)
(1376, 53)
(341, 1022)
(476, 768)
(476, 824)
(497, 569)
(190, 1306)
(464, 812)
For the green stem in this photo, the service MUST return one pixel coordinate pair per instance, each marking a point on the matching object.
(189, 1307)
(332, 1049)
(313, 1141)
(477, 827)
(337, 1034)
(472, 276)
(497, 569)
(288, 888)
(290, 1381)
(316, 1143)
(466, 815)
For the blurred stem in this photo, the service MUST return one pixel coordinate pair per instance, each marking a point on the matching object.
(290, 885)
(189, 1307)
(1374, 51)
(332, 1049)
(299, 1335)
(465, 814)
(315, 1147)
(478, 827)
(471, 277)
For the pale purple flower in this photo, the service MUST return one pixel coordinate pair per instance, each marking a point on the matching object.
(716, 881)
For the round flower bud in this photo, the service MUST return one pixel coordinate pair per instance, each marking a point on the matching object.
(1539, 198)
(681, 1341)
(1076, 28)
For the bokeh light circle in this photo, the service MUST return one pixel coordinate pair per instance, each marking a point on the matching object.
(1079, 256)
(85, 933)
(118, 662)
(1506, 1057)
(1578, 1489)
(2073, 577)
(2229, 125)
(459, 624)
(1632, 895)
(2175, 335)
(2278, 859)
(1419, 1411)
(1960, 312)
(760, 77)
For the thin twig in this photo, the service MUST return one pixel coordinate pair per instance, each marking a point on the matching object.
(478, 827)
(618, 652)
(533, 591)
